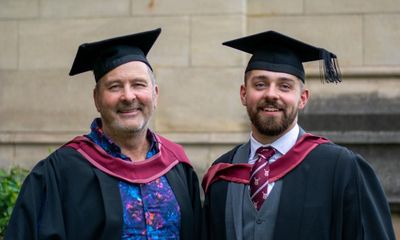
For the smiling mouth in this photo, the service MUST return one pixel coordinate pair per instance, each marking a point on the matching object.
(127, 111)
(270, 109)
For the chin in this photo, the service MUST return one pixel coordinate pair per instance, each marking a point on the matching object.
(128, 127)
(134, 128)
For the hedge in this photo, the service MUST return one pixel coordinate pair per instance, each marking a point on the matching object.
(10, 184)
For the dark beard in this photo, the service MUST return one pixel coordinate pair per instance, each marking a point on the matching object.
(271, 126)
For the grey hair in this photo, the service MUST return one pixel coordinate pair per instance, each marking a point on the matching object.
(152, 76)
(302, 85)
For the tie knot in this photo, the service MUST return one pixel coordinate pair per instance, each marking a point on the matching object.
(266, 152)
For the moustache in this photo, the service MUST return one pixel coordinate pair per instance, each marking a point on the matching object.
(269, 104)
(129, 106)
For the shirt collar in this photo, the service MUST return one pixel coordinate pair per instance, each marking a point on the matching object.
(100, 138)
(282, 144)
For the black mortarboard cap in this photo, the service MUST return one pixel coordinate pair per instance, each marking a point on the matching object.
(274, 51)
(103, 56)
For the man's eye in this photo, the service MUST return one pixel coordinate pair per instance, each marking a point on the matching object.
(113, 87)
(285, 86)
(258, 85)
(139, 85)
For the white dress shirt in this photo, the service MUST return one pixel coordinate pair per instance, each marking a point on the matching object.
(282, 145)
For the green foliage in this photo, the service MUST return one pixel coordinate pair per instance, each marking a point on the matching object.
(10, 184)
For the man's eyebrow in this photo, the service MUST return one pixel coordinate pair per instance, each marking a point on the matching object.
(112, 81)
(286, 79)
(259, 77)
(139, 79)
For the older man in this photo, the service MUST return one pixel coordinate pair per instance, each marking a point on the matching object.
(120, 181)
(285, 183)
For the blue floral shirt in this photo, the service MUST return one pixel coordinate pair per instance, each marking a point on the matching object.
(150, 211)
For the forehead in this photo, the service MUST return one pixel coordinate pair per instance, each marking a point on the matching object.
(270, 75)
(128, 71)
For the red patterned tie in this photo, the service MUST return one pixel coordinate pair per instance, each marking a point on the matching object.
(259, 176)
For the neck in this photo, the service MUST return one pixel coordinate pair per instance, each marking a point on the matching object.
(133, 144)
(265, 139)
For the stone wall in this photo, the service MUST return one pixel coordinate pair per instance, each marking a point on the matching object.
(41, 107)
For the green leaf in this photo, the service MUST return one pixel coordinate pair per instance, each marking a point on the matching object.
(10, 184)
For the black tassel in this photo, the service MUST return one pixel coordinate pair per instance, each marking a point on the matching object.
(329, 69)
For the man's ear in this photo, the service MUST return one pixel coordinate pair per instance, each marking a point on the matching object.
(305, 95)
(155, 96)
(95, 98)
(243, 94)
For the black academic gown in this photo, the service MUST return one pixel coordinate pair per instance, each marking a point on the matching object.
(65, 197)
(333, 194)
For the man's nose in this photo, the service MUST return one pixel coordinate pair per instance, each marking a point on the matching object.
(271, 92)
(128, 94)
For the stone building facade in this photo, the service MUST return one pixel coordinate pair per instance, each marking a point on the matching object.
(41, 107)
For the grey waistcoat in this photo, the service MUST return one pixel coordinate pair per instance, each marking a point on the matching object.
(243, 221)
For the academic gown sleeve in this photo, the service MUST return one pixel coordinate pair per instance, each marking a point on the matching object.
(64, 197)
(185, 185)
(214, 204)
(31, 209)
(366, 213)
(194, 193)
